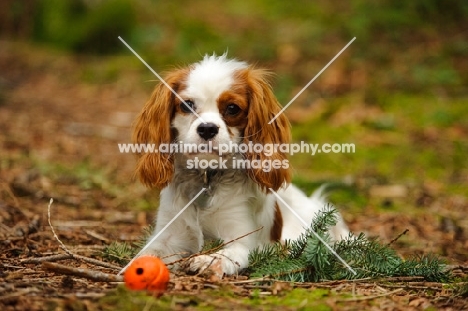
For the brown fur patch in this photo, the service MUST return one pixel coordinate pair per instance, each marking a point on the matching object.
(240, 99)
(153, 126)
(275, 232)
(263, 106)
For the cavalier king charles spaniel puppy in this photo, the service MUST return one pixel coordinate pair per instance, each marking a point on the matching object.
(220, 102)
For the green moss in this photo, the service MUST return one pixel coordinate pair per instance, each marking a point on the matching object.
(126, 300)
(300, 299)
(420, 146)
(296, 299)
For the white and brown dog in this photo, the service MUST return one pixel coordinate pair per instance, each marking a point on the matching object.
(223, 102)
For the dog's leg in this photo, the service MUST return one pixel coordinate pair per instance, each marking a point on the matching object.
(233, 226)
(182, 237)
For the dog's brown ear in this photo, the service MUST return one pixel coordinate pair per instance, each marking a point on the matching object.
(153, 126)
(263, 107)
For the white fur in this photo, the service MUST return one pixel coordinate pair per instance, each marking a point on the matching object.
(235, 212)
(205, 83)
(238, 206)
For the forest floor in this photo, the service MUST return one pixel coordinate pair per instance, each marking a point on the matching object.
(58, 139)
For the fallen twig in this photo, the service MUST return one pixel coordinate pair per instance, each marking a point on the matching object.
(59, 257)
(74, 256)
(336, 282)
(62, 246)
(214, 248)
(429, 286)
(263, 279)
(356, 299)
(400, 279)
(96, 235)
(398, 237)
(52, 258)
(96, 262)
(93, 275)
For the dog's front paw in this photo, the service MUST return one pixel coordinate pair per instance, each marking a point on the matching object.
(206, 264)
(217, 264)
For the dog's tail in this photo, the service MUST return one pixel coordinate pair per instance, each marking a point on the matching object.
(320, 198)
(320, 193)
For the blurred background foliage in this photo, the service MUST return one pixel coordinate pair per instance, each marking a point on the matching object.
(405, 45)
(399, 91)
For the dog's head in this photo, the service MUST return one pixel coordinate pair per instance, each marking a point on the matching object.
(216, 101)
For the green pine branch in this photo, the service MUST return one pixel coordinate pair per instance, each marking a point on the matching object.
(308, 259)
(123, 252)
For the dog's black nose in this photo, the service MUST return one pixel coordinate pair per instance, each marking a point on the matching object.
(207, 130)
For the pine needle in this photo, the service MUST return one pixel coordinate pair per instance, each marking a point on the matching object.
(308, 260)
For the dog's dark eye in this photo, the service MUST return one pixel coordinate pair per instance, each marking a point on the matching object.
(232, 110)
(184, 108)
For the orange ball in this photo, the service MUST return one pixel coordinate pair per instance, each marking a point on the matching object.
(147, 272)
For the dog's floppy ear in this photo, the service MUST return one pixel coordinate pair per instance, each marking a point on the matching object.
(153, 126)
(263, 107)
